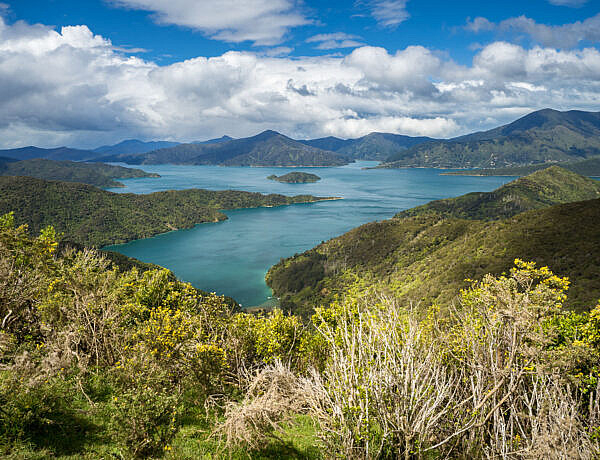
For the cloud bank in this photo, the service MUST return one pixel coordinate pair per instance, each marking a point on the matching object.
(73, 87)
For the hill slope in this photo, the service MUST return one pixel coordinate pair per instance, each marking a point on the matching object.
(540, 189)
(93, 217)
(542, 136)
(425, 254)
(97, 174)
(268, 148)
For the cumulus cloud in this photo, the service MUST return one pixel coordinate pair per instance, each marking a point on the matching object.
(74, 87)
(560, 36)
(264, 22)
(336, 40)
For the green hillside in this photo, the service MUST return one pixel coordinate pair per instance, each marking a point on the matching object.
(540, 189)
(427, 253)
(93, 217)
(265, 149)
(543, 136)
(590, 167)
(98, 174)
(295, 177)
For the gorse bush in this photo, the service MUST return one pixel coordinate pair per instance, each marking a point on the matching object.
(91, 354)
(486, 378)
(161, 347)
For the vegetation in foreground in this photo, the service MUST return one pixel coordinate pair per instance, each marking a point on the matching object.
(97, 174)
(424, 254)
(92, 217)
(95, 362)
(295, 177)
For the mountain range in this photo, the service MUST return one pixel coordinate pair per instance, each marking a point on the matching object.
(539, 137)
(544, 136)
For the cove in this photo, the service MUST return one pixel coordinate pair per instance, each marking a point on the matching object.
(233, 256)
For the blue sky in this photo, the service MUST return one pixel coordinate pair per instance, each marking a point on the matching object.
(99, 70)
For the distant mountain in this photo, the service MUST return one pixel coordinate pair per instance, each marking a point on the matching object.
(59, 153)
(268, 148)
(543, 136)
(425, 254)
(97, 174)
(133, 146)
(330, 143)
(90, 216)
(374, 146)
(214, 141)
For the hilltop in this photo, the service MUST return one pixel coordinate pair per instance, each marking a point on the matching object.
(97, 174)
(543, 136)
(424, 254)
(268, 148)
(93, 217)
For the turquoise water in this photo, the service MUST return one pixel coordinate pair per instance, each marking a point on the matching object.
(232, 257)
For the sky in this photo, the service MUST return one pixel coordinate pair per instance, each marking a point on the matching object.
(93, 72)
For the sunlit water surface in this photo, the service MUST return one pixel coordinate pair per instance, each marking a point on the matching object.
(233, 256)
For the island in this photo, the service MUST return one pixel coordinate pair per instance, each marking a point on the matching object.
(296, 178)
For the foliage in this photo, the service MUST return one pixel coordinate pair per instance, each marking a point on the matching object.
(93, 217)
(480, 380)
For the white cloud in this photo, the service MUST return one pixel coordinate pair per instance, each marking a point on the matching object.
(264, 22)
(73, 87)
(336, 40)
(560, 36)
(389, 13)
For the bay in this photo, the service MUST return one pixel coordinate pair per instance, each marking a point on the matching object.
(233, 256)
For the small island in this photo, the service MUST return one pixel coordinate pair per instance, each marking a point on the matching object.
(296, 178)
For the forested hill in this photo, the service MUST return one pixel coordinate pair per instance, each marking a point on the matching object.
(542, 136)
(538, 190)
(268, 148)
(427, 257)
(98, 174)
(94, 217)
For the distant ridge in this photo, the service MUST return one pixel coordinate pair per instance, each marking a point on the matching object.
(543, 136)
(268, 148)
(130, 146)
(373, 146)
(59, 153)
